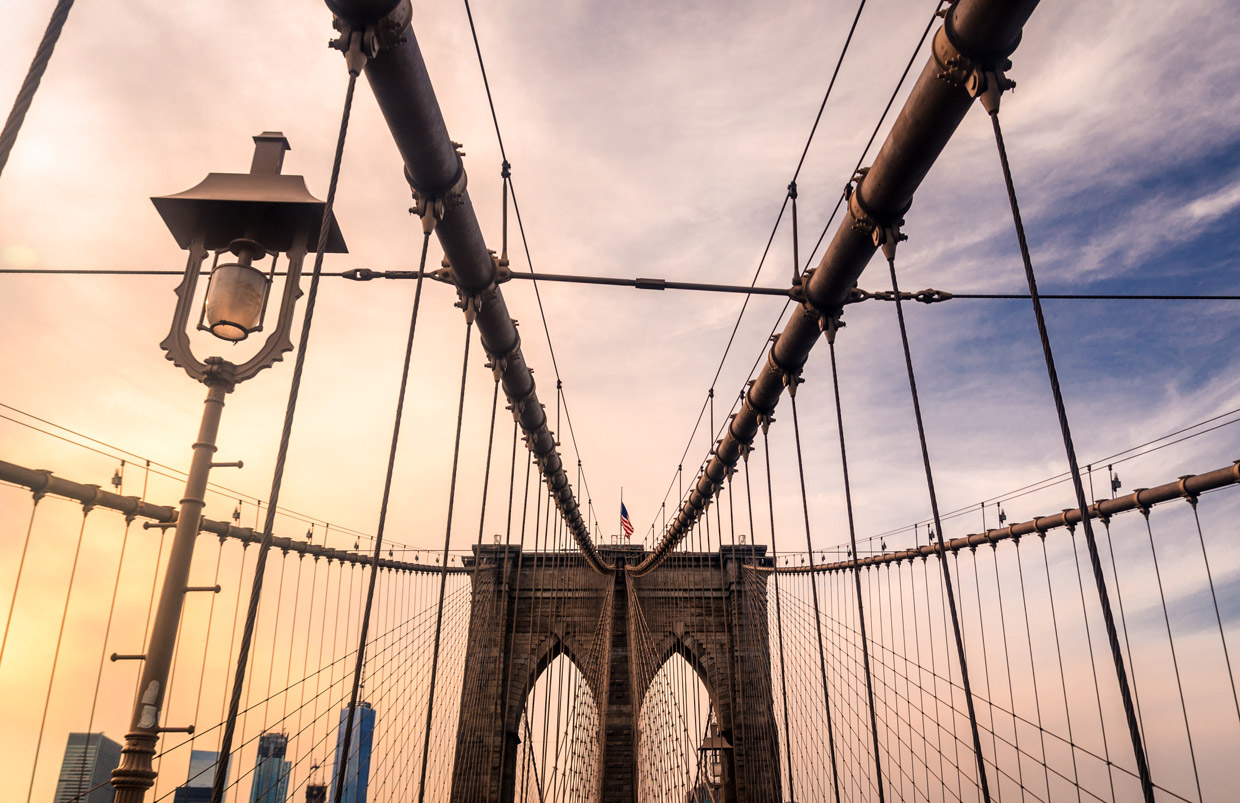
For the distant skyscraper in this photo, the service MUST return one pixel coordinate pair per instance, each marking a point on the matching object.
(88, 763)
(271, 771)
(357, 772)
(201, 776)
(316, 793)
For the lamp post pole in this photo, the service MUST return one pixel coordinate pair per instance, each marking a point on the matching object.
(136, 772)
(250, 215)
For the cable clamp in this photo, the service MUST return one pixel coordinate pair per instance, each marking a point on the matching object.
(1188, 495)
(981, 75)
(1138, 504)
(372, 36)
(830, 325)
(432, 203)
(473, 302)
(1070, 525)
(882, 229)
(791, 378)
(502, 271)
(518, 408)
(498, 363)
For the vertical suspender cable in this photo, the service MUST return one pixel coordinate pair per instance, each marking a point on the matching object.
(809, 549)
(779, 614)
(428, 222)
(443, 577)
(852, 539)
(889, 252)
(230, 725)
(17, 582)
(990, 99)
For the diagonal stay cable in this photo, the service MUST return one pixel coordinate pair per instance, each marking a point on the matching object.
(525, 245)
(831, 219)
(456, 455)
(30, 85)
(247, 636)
(427, 225)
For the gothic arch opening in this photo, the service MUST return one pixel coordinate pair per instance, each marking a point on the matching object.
(557, 756)
(676, 720)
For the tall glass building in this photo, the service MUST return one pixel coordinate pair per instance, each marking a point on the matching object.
(269, 783)
(88, 763)
(197, 788)
(357, 771)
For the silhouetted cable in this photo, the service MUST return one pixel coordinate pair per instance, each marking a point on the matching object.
(1222, 637)
(17, 582)
(456, 456)
(830, 85)
(1143, 769)
(347, 740)
(852, 535)
(60, 635)
(30, 85)
(889, 252)
(516, 208)
(273, 499)
(1175, 662)
(809, 549)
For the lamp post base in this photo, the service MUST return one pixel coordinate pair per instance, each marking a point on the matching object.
(136, 772)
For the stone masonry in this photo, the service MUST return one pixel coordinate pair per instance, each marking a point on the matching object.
(530, 608)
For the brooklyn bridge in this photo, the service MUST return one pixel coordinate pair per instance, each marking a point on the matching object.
(876, 546)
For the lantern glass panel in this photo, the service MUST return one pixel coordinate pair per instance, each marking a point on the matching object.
(235, 301)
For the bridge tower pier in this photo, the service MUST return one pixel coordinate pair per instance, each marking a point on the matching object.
(528, 609)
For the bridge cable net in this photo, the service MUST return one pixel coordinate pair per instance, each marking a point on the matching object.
(1050, 726)
(289, 724)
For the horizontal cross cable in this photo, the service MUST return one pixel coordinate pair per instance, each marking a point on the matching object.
(1187, 487)
(929, 295)
(42, 482)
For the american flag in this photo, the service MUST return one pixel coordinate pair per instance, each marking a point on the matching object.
(625, 524)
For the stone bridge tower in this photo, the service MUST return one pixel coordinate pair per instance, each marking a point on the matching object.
(528, 609)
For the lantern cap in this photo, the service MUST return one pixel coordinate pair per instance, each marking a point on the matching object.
(263, 205)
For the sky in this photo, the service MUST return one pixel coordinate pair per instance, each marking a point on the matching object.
(646, 139)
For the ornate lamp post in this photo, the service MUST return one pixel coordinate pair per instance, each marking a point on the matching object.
(716, 750)
(240, 220)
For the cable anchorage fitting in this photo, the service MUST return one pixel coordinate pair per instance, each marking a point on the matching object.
(432, 203)
(883, 230)
(361, 40)
(982, 75)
